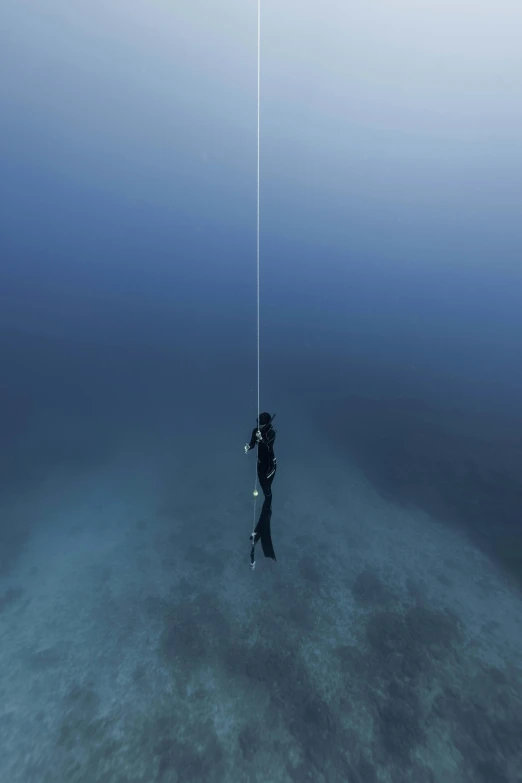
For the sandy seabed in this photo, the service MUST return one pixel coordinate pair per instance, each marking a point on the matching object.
(137, 646)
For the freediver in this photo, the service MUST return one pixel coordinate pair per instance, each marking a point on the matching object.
(263, 436)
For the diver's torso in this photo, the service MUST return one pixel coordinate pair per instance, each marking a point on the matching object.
(266, 458)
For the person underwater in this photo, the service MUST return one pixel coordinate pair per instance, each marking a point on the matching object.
(263, 436)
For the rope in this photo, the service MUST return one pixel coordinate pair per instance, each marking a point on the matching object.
(252, 561)
(258, 146)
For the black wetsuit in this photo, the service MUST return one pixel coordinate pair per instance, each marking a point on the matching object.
(266, 470)
(266, 459)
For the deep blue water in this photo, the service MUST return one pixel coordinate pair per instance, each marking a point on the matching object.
(391, 331)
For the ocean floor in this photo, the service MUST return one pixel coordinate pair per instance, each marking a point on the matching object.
(137, 646)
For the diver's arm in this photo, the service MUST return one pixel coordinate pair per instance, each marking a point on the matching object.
(253, 441)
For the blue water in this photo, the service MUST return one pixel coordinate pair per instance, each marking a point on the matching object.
(136, 643)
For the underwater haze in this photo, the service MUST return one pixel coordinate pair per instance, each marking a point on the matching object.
(136, 643)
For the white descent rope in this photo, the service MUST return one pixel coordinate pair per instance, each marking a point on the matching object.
(258, 136)
(257, 234)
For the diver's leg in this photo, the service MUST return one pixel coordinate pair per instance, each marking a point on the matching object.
(265, 481)
(255, 536)
(267, 489)
(262, 529)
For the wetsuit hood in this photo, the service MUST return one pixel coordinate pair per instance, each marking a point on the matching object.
(265, 420)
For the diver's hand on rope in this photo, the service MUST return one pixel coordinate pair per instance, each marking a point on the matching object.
(259, 437)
